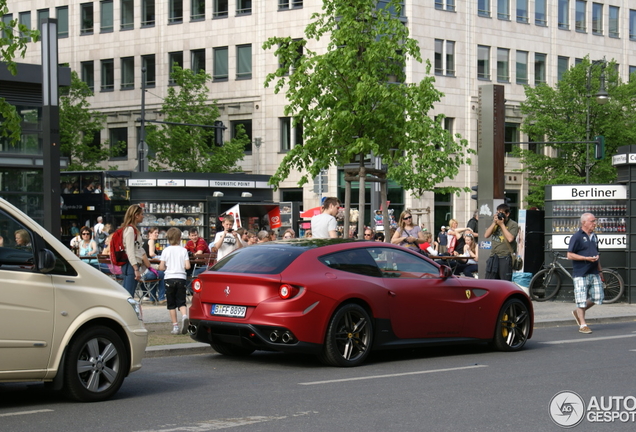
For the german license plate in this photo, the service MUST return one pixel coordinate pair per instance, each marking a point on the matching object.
(229, 311)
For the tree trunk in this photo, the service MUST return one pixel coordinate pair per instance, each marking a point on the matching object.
(347, 210)
(361, 199)
(385, 212)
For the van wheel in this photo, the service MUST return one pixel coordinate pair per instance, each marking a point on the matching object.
(96, 364)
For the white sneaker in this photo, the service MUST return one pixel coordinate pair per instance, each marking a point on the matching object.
(185, 323)
(175, 329)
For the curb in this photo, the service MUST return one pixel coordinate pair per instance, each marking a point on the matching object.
(201, 348)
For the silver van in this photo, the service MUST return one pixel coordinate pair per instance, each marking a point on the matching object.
(62, 321)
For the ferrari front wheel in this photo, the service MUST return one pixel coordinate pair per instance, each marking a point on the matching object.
(513, 326)
(349, 337)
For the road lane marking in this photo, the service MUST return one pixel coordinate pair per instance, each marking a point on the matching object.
(392, 375)
(25, 412)
(219, 424)
(588, 339)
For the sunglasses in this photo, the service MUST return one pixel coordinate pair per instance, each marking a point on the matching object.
(407, 217)
(86, 233)
(368, 235)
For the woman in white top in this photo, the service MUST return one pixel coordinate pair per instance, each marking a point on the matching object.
(471, 251)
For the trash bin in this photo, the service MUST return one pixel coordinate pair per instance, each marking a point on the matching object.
(523, 280)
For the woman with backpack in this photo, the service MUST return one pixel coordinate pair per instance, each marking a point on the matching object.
(137, 261)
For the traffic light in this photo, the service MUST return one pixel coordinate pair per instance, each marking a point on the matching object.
(599, 149)
(218, 133)
(474, 196)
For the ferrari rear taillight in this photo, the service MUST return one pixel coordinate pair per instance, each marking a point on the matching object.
(287, 291)
(197, 285)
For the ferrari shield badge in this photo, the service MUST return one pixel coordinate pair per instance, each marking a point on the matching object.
(227, 291)
(468, 294)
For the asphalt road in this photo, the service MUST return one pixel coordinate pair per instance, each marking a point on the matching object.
(449, 389)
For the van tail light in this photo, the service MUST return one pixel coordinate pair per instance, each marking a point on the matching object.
(197, 285)
(287, 291)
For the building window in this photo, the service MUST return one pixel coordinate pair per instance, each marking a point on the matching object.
(220, 9)
(522, 67)
(563, 63)
(597, 18)
(522, 11)
(127, 14)
(564, 14)
(247, 125)
(613, 21)
(289, 4)
(511, 135)
(483, 62)
(285, 134)
(632, 71)
(444, 57)
(290, 136)
(148, 62)
(197, 10)
(244, 61)
(42, 15)
(25, 20)
(539, 68)
(147, 13)
(175, 12)
(127, 73)
(61, 13)
(503, 9)
(448, 5)
(88, 74)
(106, 14)
(632, 24)
(540, 15)
(503, 65)
(579, 16)
(6, 19)
(118, 136)
(483, 8)
(87, 21)
(108, 75)
(220, 64)
(174, 58)
(197, 60)
(243, 7)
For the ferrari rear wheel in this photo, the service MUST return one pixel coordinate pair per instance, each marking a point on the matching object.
(349, 337)
(513, 326)
(231, 350)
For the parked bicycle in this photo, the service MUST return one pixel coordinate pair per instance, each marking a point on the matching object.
(547, 282)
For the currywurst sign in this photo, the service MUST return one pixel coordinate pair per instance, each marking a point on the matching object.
(588, 192)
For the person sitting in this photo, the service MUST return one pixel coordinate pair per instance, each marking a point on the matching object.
(379, 237)
(289, 234)
(196, 245)
(88, 247)
(22, 240)
(471, 251)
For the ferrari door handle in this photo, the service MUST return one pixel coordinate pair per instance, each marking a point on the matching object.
(391, 293)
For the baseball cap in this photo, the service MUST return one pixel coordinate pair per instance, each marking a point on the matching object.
(443, 227)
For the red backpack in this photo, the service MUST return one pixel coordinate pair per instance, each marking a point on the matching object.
(117, 251)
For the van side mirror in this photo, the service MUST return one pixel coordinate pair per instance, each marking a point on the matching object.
(46, 261)
(445, 272)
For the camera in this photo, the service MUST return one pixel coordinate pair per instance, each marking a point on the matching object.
(230, 230)
(501, 216)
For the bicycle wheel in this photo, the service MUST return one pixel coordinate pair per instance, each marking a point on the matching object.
(613, 286)
(545, 285)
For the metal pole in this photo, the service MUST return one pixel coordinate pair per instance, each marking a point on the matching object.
(587, 125)
(142, 129)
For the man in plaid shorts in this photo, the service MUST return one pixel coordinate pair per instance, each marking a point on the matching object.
(586, 268)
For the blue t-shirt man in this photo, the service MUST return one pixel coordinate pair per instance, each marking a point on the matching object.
(584, 244)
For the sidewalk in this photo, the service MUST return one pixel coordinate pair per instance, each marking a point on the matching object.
(546, 314)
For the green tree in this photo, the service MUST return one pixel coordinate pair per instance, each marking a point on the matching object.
(191, 148)
(13, 41)
(78, 125)
(559, 113)
(353, 99)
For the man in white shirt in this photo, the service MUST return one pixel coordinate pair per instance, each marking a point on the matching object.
(325, 225)
(228, 240)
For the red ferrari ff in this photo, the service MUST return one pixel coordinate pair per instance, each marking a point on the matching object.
(340, 299)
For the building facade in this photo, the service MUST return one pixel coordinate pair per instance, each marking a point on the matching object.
(469, 44)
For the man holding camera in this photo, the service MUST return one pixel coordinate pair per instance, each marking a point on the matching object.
(228, 240)
(502, 231)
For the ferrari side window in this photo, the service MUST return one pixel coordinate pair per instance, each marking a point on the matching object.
(357, 261)
(395, 263)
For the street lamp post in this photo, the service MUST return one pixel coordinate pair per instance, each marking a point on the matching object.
(601, 98)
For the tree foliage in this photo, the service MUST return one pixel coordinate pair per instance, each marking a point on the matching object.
(353, 99)
(13, 42)
(78, 125)
(191, 148)
(560, 114)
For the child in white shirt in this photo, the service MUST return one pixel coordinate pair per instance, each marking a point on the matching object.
(175, 262)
